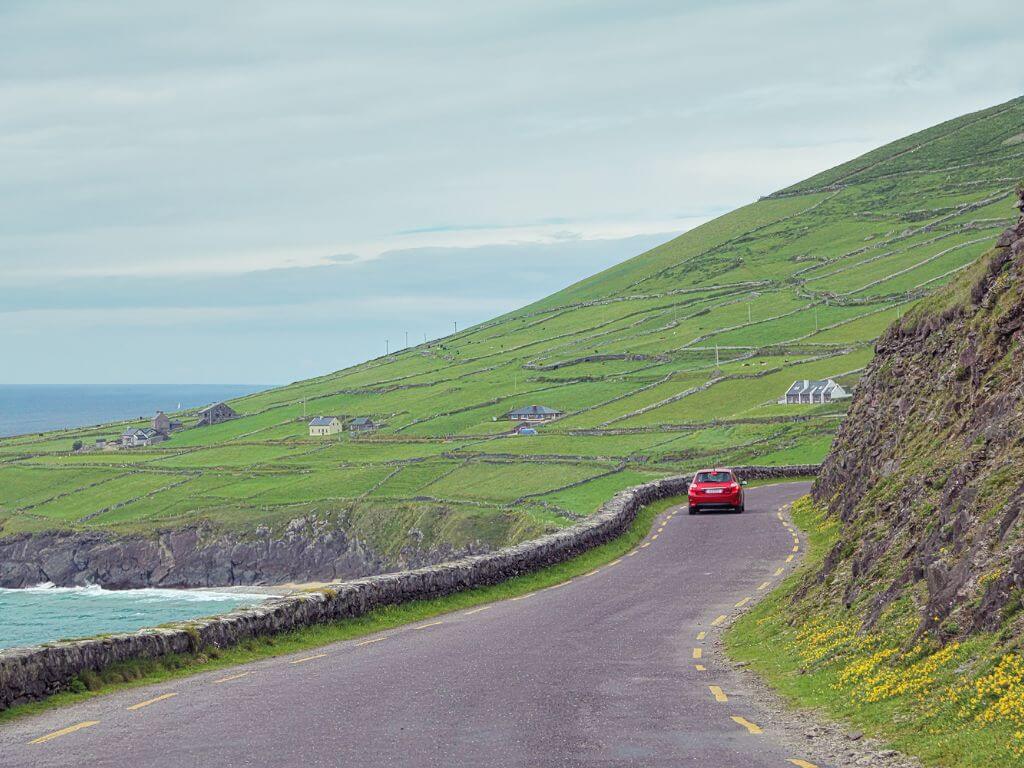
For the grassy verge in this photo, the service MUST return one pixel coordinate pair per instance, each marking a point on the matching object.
(777, 481)
(948, 705)
(147, 672)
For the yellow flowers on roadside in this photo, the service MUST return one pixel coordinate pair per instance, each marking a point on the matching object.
(879, 683)
(868, 669)
(999, 696)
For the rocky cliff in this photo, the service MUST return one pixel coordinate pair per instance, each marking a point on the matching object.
(927, 472)
(309, 549)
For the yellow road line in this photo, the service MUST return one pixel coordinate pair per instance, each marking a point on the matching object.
(801, 763)
(435, 623)
(754, 729)
(558, 586)
(520, 597)
(64, 731)
(789, 559)
(699, 667)
(373, 640)
(146, 703)
(661, 529)
(645, 545)
(719, 621)
(229, 678)
(764, 585)
(698, 653)
(615, 562)
(701, 635)
(796, 547)
(779, 572)
(655, 536)
(742, 602)
(631, 553)
(718, 693)
(304, 659)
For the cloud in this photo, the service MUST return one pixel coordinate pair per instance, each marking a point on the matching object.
(191, 145)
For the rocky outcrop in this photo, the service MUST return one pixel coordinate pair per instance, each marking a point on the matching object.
(925, 473)
(309, 549)
(28, 674)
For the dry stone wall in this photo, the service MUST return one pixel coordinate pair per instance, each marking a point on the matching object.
(28, 674)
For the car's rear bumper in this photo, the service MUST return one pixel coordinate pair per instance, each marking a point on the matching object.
(715, 502)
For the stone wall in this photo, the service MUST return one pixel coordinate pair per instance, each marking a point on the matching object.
(28, 674)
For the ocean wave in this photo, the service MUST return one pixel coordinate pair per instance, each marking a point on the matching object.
(147, 594)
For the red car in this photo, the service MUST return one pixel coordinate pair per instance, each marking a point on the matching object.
(716, 489)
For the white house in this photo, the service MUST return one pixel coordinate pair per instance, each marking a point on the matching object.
(325, 425)
(813, 391)
(139, 438)
(533, 413)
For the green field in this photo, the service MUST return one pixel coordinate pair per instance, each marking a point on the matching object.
(669, 361)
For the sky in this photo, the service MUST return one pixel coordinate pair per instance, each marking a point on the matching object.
(258, 192)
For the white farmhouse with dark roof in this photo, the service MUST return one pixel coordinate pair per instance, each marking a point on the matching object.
(138, 438)
(533, 413)
(813, 391)
(325, 425)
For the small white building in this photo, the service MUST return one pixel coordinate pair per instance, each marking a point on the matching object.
(325, 425)
(533, 413)
(140, 438)
(813, 392)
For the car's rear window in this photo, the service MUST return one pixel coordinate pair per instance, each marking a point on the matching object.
(713, 477)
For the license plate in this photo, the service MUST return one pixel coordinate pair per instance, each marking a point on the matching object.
(714, 490)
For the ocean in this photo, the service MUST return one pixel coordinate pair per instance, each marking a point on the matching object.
(37, 408)
(45, 613)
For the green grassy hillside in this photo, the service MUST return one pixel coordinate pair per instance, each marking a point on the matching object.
(794, 286)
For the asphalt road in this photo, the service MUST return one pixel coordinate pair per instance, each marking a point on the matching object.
(610, 669)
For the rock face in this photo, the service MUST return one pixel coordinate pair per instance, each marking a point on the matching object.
(926, 472)
(27, 674)
(308, 550)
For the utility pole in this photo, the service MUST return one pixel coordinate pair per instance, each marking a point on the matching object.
(303, 409)
(716, 355)
(748, 312)
(456, 324)
(406, 339)
(815, 319)
(387, 347)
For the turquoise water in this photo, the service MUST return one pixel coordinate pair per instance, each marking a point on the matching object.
(44, 613)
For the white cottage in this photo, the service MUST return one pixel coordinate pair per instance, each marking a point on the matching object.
(325, 425)
(813, 392)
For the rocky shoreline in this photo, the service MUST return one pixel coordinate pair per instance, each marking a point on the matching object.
(308, 550)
